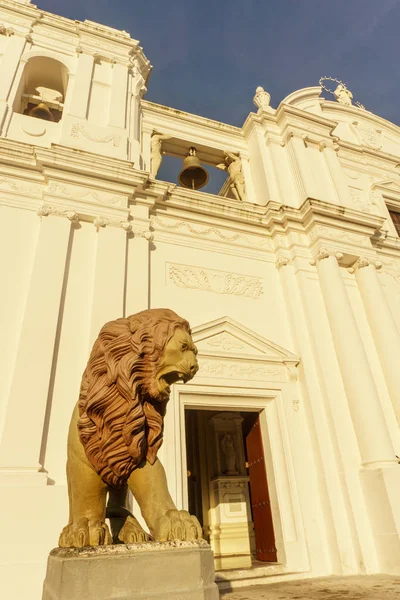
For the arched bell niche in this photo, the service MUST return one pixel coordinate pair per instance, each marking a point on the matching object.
(42, 89)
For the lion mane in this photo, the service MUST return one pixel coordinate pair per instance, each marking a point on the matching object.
(121, 415)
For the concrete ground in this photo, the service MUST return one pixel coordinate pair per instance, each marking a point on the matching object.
(367, 587)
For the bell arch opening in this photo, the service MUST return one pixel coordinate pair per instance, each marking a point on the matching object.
(42, 89)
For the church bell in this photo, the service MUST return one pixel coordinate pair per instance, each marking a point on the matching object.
(41, 111)
(193, 175)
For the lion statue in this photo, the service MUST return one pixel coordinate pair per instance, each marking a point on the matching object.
(116, 430)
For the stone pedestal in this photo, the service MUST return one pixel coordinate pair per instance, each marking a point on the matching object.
(156, 571)
(229, 530)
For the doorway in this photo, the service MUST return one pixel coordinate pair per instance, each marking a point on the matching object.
(227, 485)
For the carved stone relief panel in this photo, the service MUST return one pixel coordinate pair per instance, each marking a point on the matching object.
(244, 370)
(369, 135)
(210, 280)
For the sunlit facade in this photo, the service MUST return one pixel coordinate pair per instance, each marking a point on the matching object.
(286, 443)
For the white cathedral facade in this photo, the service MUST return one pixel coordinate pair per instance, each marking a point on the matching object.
(286, 443)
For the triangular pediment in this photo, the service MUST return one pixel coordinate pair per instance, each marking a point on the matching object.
(388, 184)
(226, 337)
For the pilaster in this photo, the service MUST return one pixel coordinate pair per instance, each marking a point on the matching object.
(364, 404)
(332, 458)
(23, 425)
(301, 168)
(138, 261)
(383, 327)
(8, 69)
(81, 91)
(109, 275)
(118, 98)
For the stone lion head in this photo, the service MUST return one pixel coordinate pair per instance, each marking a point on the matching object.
(126, 386)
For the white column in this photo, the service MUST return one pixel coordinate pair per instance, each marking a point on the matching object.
(364, 403)
(109, 277)
(383, 327)
(23, 424)
(329, 512)
(138, 268)
(79, 103)
(118, 99)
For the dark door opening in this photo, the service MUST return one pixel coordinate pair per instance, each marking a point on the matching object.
(204, 465)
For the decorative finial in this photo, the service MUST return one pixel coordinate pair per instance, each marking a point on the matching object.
(262, 99)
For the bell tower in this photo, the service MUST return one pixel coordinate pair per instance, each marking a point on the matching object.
(75, 84)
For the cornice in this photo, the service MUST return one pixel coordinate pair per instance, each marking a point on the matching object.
(304, 94)
(212, 205)
(258, 119)
(287, 115)
(150, 108)
(354, 111)
(69, 174)
(96, 186)
(86, 36)
(30, 10)
(322, 212)
(354, 153)
(289, 121)
(340, 214)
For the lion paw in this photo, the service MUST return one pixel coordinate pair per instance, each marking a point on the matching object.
(132, 533)
(177, 525)
(85, 532)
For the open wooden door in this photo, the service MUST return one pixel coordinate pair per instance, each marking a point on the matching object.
(260, 502)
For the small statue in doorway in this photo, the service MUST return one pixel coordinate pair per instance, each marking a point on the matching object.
(228, 449)
(233, 165)
(156, 152)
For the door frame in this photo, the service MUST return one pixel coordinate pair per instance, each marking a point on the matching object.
(269, 403)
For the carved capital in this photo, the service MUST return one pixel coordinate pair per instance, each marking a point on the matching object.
(322, 145)
(148, 235)
(100, 222)
(325, 253)
(72, 215)
(286, 138)
(44, 211)
(321, 255)
(282, 261)
(292, 372)
(6, 30)
(362, 262)
(142, 232)
(126, 226)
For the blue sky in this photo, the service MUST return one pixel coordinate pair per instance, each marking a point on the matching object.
(208, 56)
